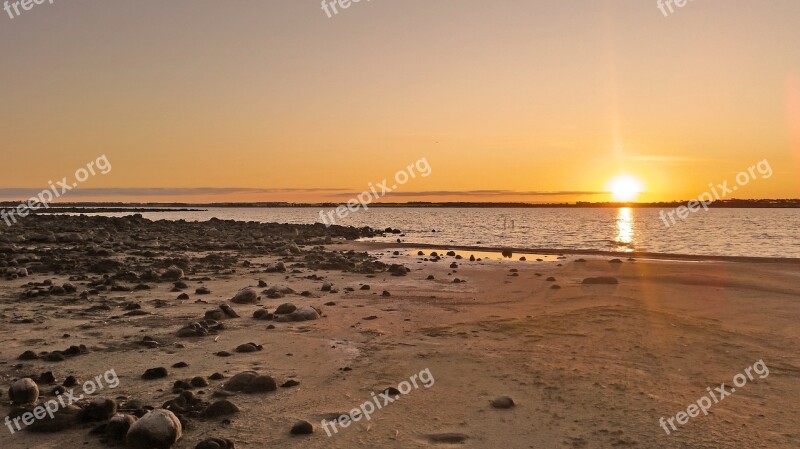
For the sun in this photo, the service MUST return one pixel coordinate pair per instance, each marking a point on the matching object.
(625, 187)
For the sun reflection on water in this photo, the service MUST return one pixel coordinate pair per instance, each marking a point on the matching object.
(625, 235)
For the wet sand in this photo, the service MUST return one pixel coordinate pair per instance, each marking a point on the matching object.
(587, 366)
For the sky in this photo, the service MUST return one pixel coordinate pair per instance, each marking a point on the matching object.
(506, 100)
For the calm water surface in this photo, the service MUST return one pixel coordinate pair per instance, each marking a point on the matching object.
(725, 232)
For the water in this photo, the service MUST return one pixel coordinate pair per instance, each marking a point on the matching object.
(721, 232)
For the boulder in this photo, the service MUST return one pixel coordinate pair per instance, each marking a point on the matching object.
(245, 296)
(158, 429)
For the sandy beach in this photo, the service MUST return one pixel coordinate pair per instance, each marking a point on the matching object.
(586, 365)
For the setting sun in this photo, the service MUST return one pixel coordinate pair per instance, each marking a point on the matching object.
(625, 188)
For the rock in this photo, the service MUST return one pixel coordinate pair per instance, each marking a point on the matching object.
(106, 266)
(220, 408)
(179, 386)
(286, 308)
(301, 314)
(158, 429)
(250, 382)
(63, 419)
(601, 280)
(507, 252)
(398, 270)
(28, 355)
(263, 314)
(46, 378)
(555, 287)
(386, 293)
(203, 291)
(155, 373)
(99, 409)
(23, 391)
(55, 356)
(180, 365)
(302, 428)
(248, 347)
(239, 381)
(614, 261)
(278, 291)
(214, 315)
(172, 273)
(278, 267)
(550, 279)
(261, 384)
(228, 311)
(183, 296)
(118, 427)
(245, 296)
(199, 382)
(290, 383)
(327, 286)
(503, 402)
(392, 391)
(365, 287)
(215, 443)
(447, 438)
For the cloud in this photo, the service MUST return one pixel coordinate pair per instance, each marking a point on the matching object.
(490, 193)
(23, 192)
(19, 193)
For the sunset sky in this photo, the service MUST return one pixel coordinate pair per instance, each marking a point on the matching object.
(508, 100)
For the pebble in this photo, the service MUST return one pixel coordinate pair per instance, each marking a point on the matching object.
(503, 402)
(155, 373)
(601, 280)
(215, 443)
(302, 428)
(223, 407)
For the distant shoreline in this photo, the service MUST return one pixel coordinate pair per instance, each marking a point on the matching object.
(201, 207)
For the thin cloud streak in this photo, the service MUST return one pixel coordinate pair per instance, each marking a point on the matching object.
(19, 192)
(23, 192)
(492, 193)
